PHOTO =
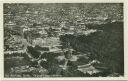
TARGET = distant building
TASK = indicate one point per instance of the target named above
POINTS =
(10, 24)
(52, 44)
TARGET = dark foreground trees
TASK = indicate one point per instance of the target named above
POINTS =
(105, 46)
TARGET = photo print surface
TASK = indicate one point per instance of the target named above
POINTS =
(63, 40)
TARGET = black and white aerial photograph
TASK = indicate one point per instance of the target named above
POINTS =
(63, 40)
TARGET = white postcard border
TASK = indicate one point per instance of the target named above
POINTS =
(67, 1)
